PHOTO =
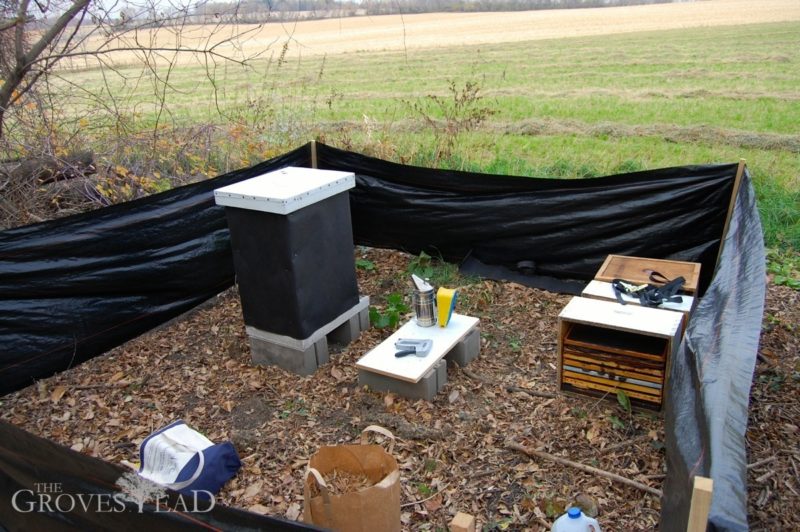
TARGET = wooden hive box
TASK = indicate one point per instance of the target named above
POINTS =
(605, 347)
(638, 270)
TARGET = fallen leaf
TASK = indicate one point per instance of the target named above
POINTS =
(116, 376)
(453, 397)
(588, 504)
(433, 504)
(57, 393)
(337, 374)
(253, 490)
(293, 511)
(259, 509)
(388, 399)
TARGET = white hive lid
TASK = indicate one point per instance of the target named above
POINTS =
(286, 190)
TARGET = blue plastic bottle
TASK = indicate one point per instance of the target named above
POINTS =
(575, 521)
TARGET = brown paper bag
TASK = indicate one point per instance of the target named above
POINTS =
(366, 510)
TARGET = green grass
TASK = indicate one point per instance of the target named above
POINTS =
(576, 107)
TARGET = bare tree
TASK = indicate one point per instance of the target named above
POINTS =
(37, 35)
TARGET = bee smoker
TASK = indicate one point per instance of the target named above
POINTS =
(424, 302)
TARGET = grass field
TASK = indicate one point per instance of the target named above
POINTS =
(554, 107)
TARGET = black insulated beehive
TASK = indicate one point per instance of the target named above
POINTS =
(293, 249)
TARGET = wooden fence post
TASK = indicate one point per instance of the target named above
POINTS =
(313, 154)
(735, 192)
(701, 504)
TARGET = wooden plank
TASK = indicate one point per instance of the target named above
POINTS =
(701, 504)
(591, 365)
(411, 368)
(608, 315)
(564, 328)
(571, 376)
(638, 269)
(579, 384)
(636, 404)
(612, 377)
(615, 361)
(600, 348)
(737, 182)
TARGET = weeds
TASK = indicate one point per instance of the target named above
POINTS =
(365, 264)
(435, 270)
(463, 110)
(784, 267)
(390, 316)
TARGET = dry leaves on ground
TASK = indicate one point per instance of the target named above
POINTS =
(451, 451)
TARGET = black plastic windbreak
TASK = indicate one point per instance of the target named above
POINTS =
(73, 288)
(709, 387)
(44, 486)
(566, 227)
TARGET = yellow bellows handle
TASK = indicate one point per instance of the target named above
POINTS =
(445, 303)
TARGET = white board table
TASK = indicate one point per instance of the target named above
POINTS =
(412, 368)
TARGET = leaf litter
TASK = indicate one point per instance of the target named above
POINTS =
(451, 451)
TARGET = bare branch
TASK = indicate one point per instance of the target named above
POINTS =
(19, 34)
(52, 33)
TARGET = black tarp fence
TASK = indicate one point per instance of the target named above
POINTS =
(47, 487)
(73, 288)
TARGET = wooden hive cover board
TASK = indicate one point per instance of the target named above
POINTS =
(638, 269)
(630, 318)
(412, 368)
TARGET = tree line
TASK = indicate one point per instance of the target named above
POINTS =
(274, 10)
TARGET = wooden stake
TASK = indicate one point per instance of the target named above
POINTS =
(735, 192)
(462, 523)
(313, 154)
(701, 504)
(511, 444)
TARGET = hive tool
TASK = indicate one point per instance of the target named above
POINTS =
(409, 346)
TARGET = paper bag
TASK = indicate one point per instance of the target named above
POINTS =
(367, 510)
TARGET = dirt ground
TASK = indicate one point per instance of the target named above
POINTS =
(435, 30)
(453, 452)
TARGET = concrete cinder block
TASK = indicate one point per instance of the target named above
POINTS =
(427, 387)
(467, 349)
(363, 319)
(302, 362)
(304, 356)
(321, 351)
(441, 374)
(347, 332)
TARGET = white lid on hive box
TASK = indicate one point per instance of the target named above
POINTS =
(630, 318)
(286, 190)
